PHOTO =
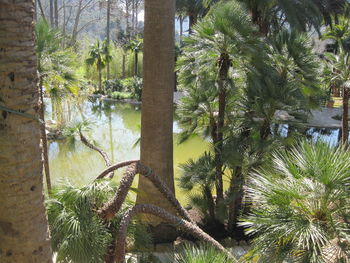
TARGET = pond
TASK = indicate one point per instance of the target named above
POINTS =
(115, 127)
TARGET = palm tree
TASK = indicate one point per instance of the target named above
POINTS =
(99, 56)
(300, 209)
(78, 233)
(193, 9)
(340, 77)
(273, 15)
(200, 174)
(24, 232)
(135, 46)
(46, 41)
(337, 68)
(211, 61)
(157, 101)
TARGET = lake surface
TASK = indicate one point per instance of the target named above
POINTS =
(115, 127)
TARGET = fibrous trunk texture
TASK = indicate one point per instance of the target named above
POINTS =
(157, 102)
(23, 224)
(166, 216)
(113, 206)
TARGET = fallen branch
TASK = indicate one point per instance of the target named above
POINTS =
(160, 212)
(100, 151)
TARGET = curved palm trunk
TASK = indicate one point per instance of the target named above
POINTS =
(159, 212)
(23, 224)
(157, 102)
(112, 207)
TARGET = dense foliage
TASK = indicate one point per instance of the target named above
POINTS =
(300, 208)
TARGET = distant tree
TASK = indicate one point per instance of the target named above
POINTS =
(135, 46)
(99, 56)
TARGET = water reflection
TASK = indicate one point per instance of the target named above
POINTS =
(115, 128)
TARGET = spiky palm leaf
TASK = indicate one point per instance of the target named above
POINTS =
(201, 254)
(301, 206)
(77, 232)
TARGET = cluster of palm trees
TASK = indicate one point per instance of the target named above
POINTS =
(237, 69)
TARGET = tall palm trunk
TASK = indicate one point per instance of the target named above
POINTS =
(99, 79)
(224, 65)
(43, 138)
(23, 224)
(136, 54)
(108, 33)
(123, 65)
(345, 119)
(157, 102)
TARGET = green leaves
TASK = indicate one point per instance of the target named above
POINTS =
(77, 233)
(300, 204)
(98, 55)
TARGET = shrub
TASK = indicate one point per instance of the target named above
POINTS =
(133, 85)
(121, 95)
(113, 85)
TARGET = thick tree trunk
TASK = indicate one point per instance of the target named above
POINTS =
(157, 102)
(24, 233)
(345, 119)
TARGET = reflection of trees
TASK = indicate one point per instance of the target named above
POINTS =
(130, 115)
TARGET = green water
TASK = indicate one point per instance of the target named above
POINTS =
(115, 127)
